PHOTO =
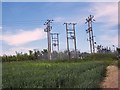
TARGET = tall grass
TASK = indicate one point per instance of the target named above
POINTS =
(53, 75)
(102, 57)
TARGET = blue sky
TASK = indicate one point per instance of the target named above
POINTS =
(23, 29)
(60, 0)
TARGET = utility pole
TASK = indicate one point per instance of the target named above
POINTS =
(55, 41)
(90, 20)
(48, 29)
(66, 24)
(70, 35)
(74, 38)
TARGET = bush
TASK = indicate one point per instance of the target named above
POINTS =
(103, 57)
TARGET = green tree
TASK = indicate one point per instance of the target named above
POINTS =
(44, 54)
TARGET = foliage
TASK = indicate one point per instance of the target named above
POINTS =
(118, 49)
(102, 57)
(30, 74)
(38, 55)
(33, 55)
(43, 55)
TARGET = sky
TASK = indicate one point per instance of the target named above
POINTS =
(22, 24)
(60, 0)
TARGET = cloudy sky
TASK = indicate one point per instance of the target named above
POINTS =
(22, 24)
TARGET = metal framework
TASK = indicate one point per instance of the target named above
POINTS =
(70, 35)
(90, 20)
(55, 41)
(48, 29)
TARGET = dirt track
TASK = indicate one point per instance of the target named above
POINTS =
(111, 80)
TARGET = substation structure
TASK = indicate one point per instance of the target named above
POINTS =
(48, 29)
(70, 35)
(55, 41)
(89, 21)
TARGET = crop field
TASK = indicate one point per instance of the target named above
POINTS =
(59, 45)
(31, 74)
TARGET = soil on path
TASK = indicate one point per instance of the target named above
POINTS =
(111, 79)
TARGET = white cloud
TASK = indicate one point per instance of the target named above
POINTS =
(76, 19)
(109, 40)
(23, 37)
(106, 13)
(0, 27)
(12, 51)
(59, 19)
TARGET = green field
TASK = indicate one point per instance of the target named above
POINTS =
(38, 74)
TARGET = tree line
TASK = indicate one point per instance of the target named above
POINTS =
(38, 55)
(43, 55)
